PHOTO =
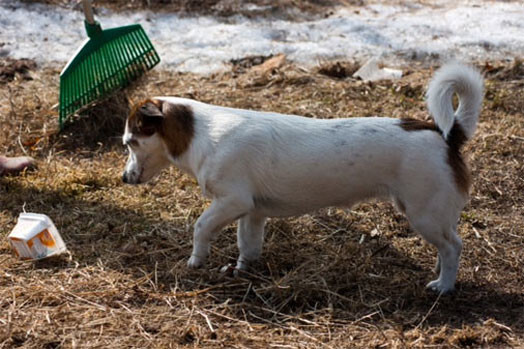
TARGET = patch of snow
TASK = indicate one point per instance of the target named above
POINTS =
(470, 30)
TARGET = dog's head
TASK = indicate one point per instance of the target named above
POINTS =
(155, 133)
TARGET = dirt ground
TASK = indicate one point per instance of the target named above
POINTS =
(288, 9)
(337, 278)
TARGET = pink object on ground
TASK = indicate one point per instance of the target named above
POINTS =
(11, 165)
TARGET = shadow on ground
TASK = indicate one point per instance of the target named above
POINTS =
(360, 279)
(96, 129)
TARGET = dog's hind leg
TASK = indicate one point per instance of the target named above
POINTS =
(449, 247)
(250, 237)
(222, 212)
(436, 269)
(447, 263)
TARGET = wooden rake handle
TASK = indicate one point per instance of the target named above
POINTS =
(88, 11)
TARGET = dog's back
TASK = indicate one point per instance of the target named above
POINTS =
(292, 164)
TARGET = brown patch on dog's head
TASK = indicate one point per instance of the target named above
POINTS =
(145, 118)
(455, 140)
(178, 127)
(173, 122)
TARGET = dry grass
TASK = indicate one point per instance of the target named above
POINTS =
(334, 278)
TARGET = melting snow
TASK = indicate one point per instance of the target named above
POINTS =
(470, 31)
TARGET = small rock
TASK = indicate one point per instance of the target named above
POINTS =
(372, 71)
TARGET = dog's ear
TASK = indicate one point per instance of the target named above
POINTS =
(150, 109)
(151, 117)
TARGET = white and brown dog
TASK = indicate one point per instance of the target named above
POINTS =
(255, 165)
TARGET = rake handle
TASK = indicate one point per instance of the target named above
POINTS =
(88, 11)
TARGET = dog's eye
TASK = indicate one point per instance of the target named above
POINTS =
(134, 143)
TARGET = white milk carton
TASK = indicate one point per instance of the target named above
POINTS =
(35, 237)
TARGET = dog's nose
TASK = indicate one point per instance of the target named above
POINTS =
(124, 178)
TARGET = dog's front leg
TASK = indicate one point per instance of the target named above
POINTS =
(250, 237)
(220, 213)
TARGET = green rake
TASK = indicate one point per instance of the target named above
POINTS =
(110, 59)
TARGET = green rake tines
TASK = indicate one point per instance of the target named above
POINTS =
(110, 59)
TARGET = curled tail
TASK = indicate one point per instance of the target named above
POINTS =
(468, 84)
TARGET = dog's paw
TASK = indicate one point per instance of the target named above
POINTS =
(242, 265)
(438, 287)
(195, 262)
